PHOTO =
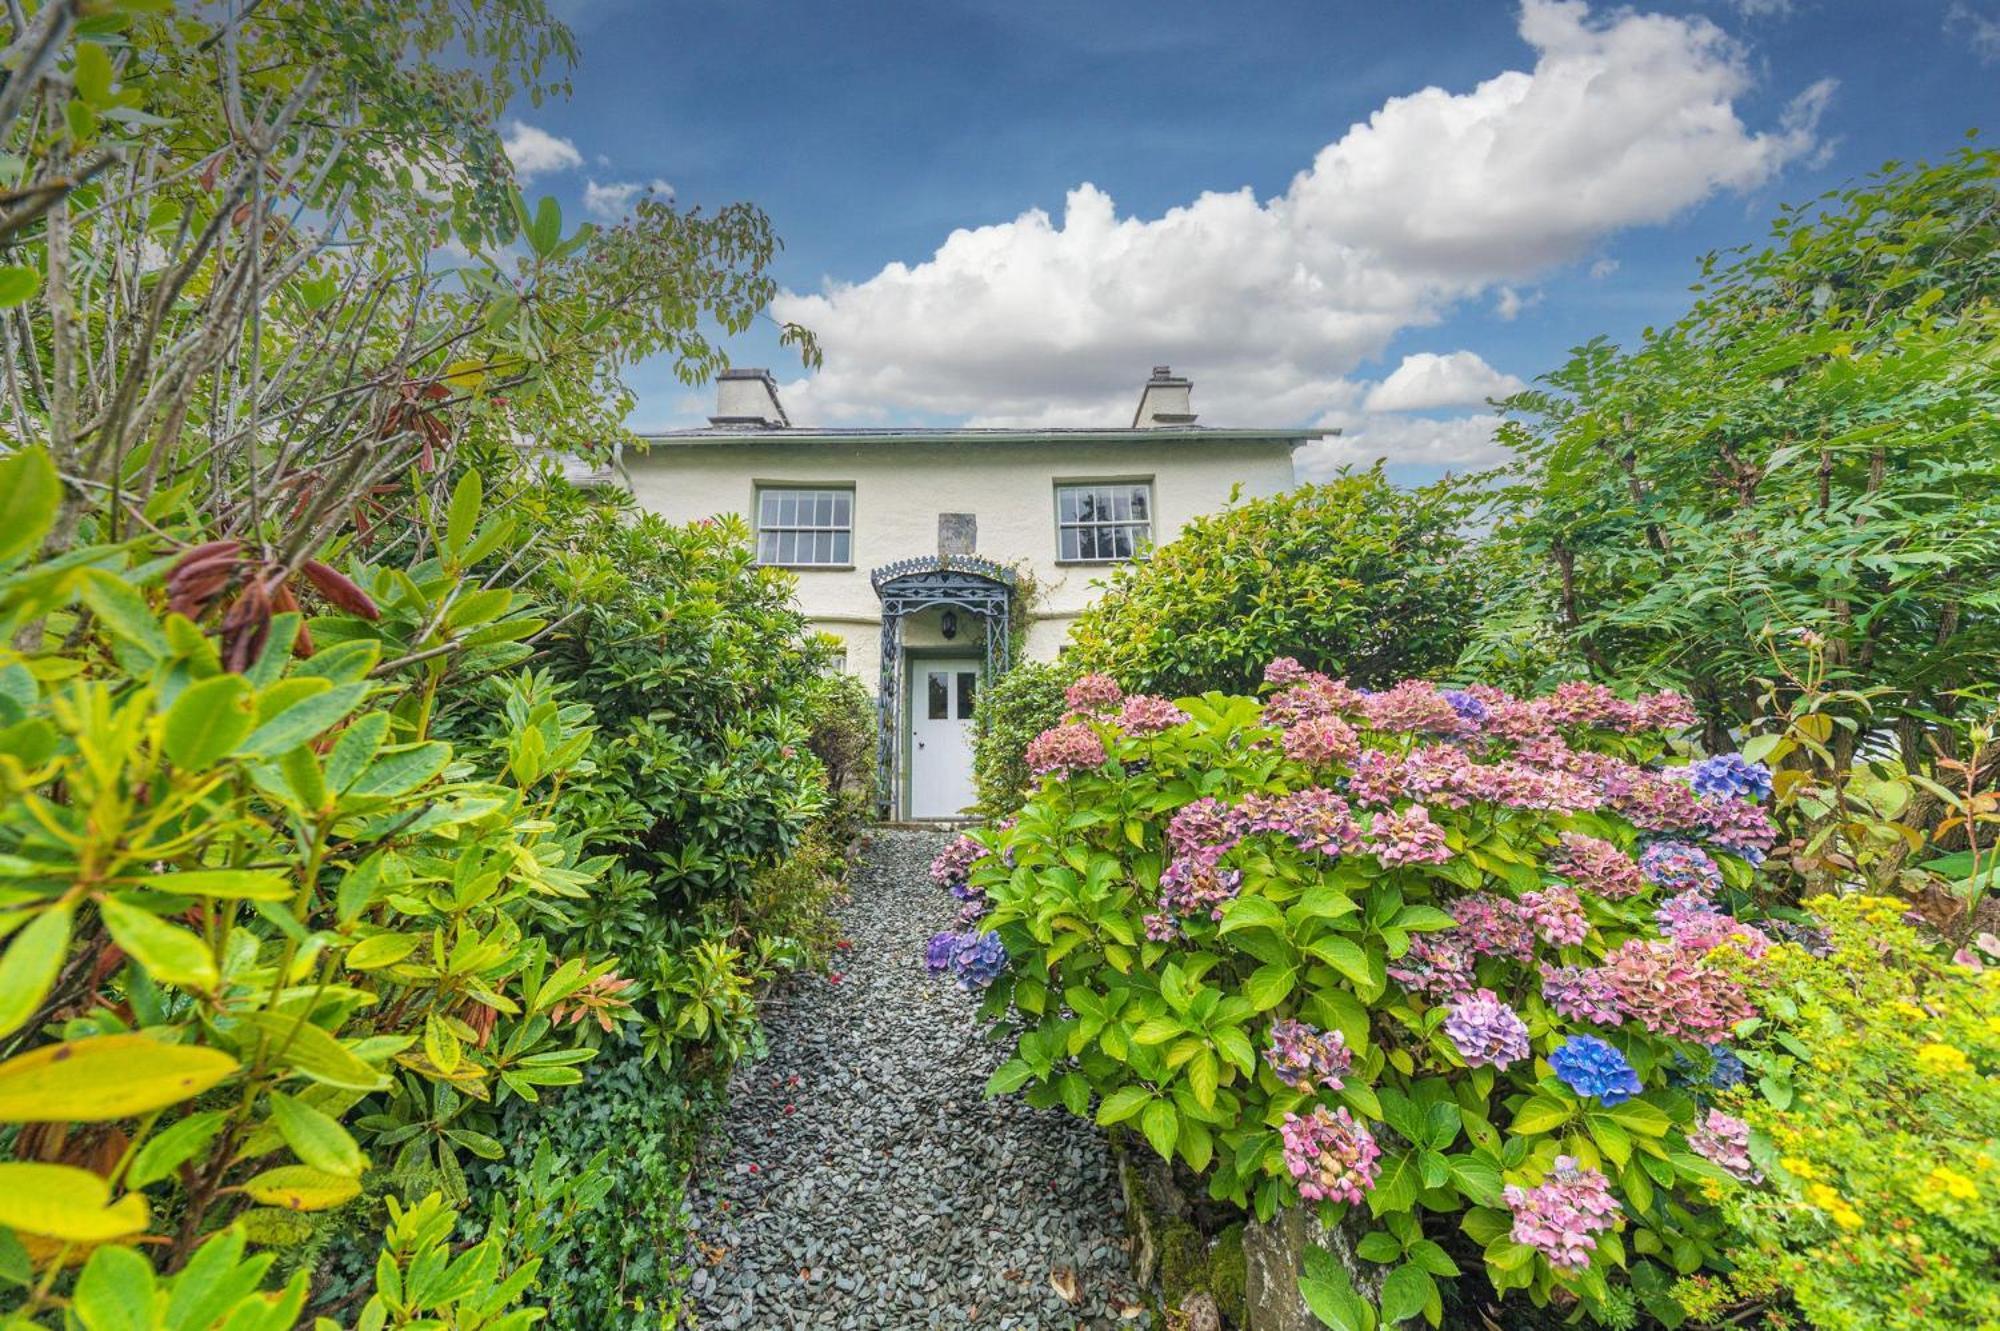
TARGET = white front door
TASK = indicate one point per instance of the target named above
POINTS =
(942, 695)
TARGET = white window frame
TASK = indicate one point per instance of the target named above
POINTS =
(805, 529)
(1141, 528)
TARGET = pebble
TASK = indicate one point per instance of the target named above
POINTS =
(860, 1179)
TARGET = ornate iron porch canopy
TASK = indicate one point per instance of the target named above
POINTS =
(960, 582)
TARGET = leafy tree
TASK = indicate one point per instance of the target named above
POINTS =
(1354, 576)
(1811, 450)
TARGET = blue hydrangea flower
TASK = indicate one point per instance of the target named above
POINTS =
(1727, 1070)
(1589, 1066)
(940, 950)
(1729, 776)
(980, 960)
(1468, 707)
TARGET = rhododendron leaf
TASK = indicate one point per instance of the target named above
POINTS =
(105, 1077)
(64, 1203)
(301, 1188)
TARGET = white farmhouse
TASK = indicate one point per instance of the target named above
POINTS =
(912, 546)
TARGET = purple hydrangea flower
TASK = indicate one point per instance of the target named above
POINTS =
(1582, 993)
(1589, 1066)
(1469, 708)
(953, 865)
(974, 959)
(1729, 776)
(940, 950)
(1679, 867)
(1485, 1030)
(1307, 1058)
(1438, 965)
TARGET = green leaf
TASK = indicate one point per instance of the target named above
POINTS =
(92, 75)
(314, 1052)
(1345, 956)
(1379, 1245)
(208, 721)
(167, 952)
(234, 884)
(1251, 913)
(30, 965)
(1644, 1119)
(1011, 1076)
(1202, 1074)
(303, 721)
(65, 1203)
(1162, 1127)
(469, 493)
(316, 1138)
(115, 1291)
(18, 284)
(1269, 985)
(1408, 1288)
(106, 1077)
(169, 1150)
(1542, 1113)
(1121, 1104)
(301, 1188)
(123, 611)
(30, 490)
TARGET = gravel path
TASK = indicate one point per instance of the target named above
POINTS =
(861, 1180)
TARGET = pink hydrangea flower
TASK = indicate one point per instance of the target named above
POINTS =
(1314, 818)
(1596, 866)
(1670, 992)
(1493, 926)
(1285, 670)
(1724, 1141)
(1205, 824)
(1318, 741)
(1557, 914)
(1333, 1157)
(1148, 714)
(1414, 705)
(1375, 778)
(1560, 1216)
(1485, 1030)
(1093, 694)
(1409, 837)
(1071, 747)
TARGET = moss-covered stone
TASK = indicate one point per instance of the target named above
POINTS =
(1226, 1275)
(1183, 1262)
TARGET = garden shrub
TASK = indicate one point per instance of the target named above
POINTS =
(1012, 710)
(1446, 962)
(1874, 1118)
(1354, 575)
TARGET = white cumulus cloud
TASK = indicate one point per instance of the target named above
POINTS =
(537, 152)
(612, 201)
(1426, 381)
(1461, 443)
(1272, 304)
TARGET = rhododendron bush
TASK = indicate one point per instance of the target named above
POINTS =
(1451, 962)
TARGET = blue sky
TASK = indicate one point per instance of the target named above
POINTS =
(1484, 185)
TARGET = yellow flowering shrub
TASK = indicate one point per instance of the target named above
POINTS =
(1874, 1102)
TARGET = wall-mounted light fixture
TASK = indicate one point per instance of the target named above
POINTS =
(949, 623)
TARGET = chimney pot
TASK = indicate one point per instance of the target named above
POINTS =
(1166, 400)
(748, 397)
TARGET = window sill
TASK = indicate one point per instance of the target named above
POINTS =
(811, 568)
(1095, 563)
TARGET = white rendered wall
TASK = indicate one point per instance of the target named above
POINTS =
(901, 486)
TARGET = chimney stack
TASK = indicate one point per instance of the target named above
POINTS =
(749, 398)
(1165, 401)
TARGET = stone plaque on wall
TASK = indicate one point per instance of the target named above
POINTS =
(958, 533)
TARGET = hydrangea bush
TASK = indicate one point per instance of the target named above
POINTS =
(1447, 960)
